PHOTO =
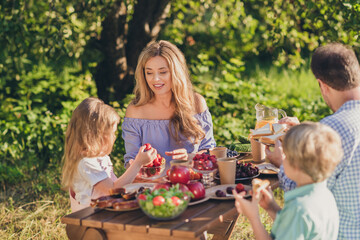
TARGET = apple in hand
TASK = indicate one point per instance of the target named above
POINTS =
(197, 188)
(179, 174)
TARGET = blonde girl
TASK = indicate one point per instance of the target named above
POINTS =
(166, 112)
(87, 170)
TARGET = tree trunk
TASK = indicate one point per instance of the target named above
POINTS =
(121, 43)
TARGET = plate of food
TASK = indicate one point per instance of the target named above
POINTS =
(121, 199)
(123, 206)
(139, 187)
(194, 202)
(224, 192)
(268, 169)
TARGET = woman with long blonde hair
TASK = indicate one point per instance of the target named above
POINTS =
(87, 171)
(166, 111)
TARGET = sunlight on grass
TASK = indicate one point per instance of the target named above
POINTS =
(34, 220)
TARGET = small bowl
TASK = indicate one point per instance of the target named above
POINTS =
(150, 173)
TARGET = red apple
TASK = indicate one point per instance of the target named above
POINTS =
(179, 174)
(197, 188)
(165, 186)
(183, 188)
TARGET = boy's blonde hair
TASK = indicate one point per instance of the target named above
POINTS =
(314, 148)
(87, 135)
(183, 120)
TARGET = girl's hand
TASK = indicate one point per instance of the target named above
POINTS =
(178, 154)
(249, 208)
(145, 157)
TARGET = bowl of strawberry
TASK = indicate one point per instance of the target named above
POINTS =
(204, 162)
(206, 165)
(154, 169)
(164, 204)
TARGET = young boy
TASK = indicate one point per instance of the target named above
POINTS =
(312, 151)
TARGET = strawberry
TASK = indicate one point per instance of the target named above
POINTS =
(239, 188)
(147, 146)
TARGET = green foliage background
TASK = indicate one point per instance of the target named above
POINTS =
(239, 53)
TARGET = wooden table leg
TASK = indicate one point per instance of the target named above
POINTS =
(75, 232)
(94, 234)
(225, 228)
(84, 233)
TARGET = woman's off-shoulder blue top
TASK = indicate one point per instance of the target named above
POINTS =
(136, 132)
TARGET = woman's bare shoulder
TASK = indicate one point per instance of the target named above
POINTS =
(133, 111)
(200, 103)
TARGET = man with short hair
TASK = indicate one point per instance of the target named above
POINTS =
(337, 71)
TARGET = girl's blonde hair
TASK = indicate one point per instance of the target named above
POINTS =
(314, 148)
(87, 135)
(183, 120)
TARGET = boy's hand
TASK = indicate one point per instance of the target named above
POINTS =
(266, 198)
(249, 208)
(276, 156)
(178, 154)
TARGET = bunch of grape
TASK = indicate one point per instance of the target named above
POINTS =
(231, 153)
(244, 170)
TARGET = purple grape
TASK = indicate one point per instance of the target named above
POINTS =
(220, 193)
(229, 190)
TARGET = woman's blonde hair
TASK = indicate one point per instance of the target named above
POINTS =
(87, 135)
(183, 120)
(314, 148)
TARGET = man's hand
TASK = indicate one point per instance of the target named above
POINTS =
(290, 121)
(276, 156)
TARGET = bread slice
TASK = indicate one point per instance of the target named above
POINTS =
(271, 138)
(259, 184)
(263, 131)
(278, 128)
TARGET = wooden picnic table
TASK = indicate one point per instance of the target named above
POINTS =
(216, 217)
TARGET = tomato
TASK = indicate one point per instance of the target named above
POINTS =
(147, 146)
(158, 200)
(142, 197)
(175, 200)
